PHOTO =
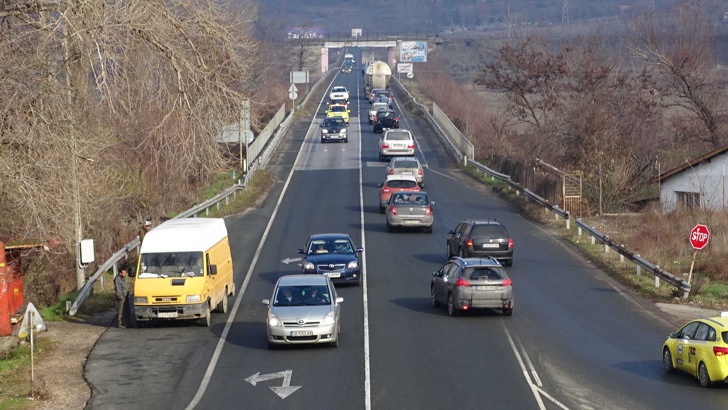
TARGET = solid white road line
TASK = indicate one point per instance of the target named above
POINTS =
(220, 343)
(367, 371)
(534, 388)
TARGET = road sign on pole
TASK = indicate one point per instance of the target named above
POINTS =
(293, 92)
(699, 237)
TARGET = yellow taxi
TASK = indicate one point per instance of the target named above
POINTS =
(338, 110)
(699, 348)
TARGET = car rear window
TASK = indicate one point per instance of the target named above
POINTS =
(490, 231)
(398, 136)
(406, 164)
(491, 273)
(410, 199)
(401, 183)
(385, 114)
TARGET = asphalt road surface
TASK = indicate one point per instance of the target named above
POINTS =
(576, 340)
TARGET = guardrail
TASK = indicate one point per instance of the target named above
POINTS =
(261, 160)
(655, 270)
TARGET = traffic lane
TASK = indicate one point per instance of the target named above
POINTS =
(335, 373)
(158, 366)
(415, 347)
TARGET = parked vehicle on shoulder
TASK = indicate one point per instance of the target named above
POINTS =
(472, 283)
(700, 349)
(481, 238)
(396, 143)
(333, 255)
(410, 210)
(407, 166)
(334, 129)
(303, 309)
(395, 183)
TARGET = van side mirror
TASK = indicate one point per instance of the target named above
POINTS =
(213, 269)
(131, 271)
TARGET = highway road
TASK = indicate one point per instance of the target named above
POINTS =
(577, 339)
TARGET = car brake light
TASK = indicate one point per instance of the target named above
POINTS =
(462, 282)
(394, 210)
(385, 146)
(507, 282)
(419, 172)
(385, 190)
(391, 172)
(396, 119)
(469, 243)
(411, 146)
(510, 243)
(428, 211)
(720, 351)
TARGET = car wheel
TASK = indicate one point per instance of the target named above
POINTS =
(232, 290)
(358, 282)
(222, 307)
(508, 312)
(509, 262)
(206, 320)
(346, 140)
(703, 375)
(433, 299)
(382, 210)
(390, 228)
(272, 346)
(335, 343)
(667, 361)
(452, 310)
(371, 122)
(323, 141)
(428, 229)
(447, 250)
(381, 158)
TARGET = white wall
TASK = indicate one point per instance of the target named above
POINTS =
(707, 178)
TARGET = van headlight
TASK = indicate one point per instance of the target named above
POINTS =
(328, 319)
(352, 265)
(193, 299)
(308, 266)
(273, 320)
(138, 300)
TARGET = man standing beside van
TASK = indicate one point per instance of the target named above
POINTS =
(122, 304)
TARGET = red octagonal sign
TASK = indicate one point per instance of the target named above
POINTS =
(699, 236)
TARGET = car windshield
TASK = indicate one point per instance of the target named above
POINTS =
(319, 246)
(338, 90)
(410, 199)
(171, 264)
(334, 122)
(401, 183)
(490, 231)
(397, 136)
(483, 272)
(302, 296)
(337, 108)
(405, 164)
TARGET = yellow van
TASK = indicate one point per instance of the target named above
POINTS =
(184, 271)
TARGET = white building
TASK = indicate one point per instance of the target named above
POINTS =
(700, 183)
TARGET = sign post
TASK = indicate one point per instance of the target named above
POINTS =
(699, 237)
(293, 94)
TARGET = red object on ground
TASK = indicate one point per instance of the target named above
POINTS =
(699, 236)
(5, 295)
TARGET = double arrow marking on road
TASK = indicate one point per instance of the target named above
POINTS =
(282, 391)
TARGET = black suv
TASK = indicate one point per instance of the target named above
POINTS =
(333, 129)
(385, 119)
(481, 238)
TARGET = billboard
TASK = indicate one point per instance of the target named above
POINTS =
(413, 52)
(294, 33)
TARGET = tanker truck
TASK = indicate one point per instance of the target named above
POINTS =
(377, 76)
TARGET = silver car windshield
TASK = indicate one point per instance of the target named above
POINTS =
(302, 296)
(172, 264)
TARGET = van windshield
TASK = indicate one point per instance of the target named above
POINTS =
(172, 264)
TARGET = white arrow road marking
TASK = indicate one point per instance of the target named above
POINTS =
(289, 260)
(282, 391)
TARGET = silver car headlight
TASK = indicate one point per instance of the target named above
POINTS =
(329, 319)
(193, 299)
(308, 266)
(352, 265)
(324, 131)
(274, 321)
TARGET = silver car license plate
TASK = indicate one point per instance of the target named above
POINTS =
(406, 173)
(167, 315)
(485, 287)
(490, 245)
(411, 222)
(333, 274)
(301, 332)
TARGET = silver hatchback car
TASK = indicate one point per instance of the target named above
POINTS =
(472, 283)
(303, 309)
(410, 210)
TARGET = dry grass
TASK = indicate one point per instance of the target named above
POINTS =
(15, 376)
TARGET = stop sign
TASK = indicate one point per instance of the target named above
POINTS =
(699, 236)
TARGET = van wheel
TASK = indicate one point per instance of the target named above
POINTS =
(222, 307)
(206, 320)
(232, 290)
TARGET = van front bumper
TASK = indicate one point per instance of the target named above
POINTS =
(170, 312)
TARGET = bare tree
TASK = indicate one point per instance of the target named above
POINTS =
(679, 45)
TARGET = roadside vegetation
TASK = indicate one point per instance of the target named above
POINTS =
(617, 113)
